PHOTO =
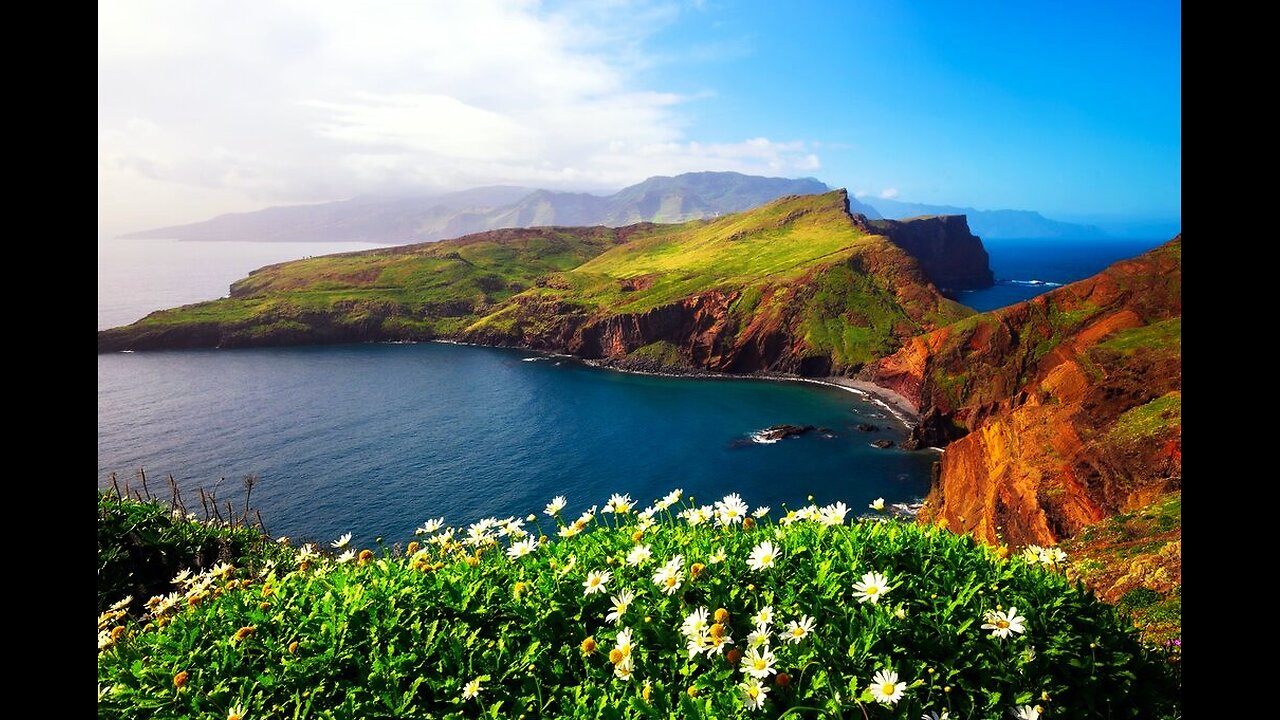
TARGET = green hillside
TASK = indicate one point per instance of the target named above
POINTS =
(798, 285)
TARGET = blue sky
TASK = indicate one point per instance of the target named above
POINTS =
(1073, 109)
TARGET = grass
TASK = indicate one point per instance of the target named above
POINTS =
(1158, 417)
(496, 621)
(799, 265)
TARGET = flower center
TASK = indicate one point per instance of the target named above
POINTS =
(1002, 624)
(888, 689)
(873, 590)
(761, 664)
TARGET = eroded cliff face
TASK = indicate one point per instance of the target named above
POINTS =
(1059, 411)
(951, 255)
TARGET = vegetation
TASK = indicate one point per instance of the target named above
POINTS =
(800, 266)
(676, 611)
(1135, 560)
(142, 544)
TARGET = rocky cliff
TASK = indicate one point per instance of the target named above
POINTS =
(1060, 411)
(949, 253)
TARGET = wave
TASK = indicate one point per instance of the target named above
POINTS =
(1032, 283)
(760, 436)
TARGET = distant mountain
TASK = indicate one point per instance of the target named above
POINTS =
(991, 223)
(402, 220)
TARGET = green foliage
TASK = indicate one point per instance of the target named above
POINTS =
(662, 352)
(1165, 335)
(141, 545)
(402, 634)
(1149, 420)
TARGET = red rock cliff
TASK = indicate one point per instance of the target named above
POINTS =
(1061, 410)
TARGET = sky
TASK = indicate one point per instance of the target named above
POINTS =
(1073, 109)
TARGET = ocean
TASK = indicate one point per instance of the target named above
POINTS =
(376, 439)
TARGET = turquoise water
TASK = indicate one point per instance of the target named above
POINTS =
(376, 439)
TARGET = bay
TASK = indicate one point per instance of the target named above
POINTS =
(376, 439)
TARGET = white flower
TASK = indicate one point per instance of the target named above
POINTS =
(341, 542)
(730, 510)
(569, 531)
(763, 555)
(555, 506)
(346, 556)
(183, 577)
(873, 586)
(620, 504)
(1027, 712)
(798, 630)
(638, 555)
(695, 624)
(758, 637)
(623, 669)
(306, 552)
(753, 693)
(671, 576)
(512, 527)
(718, 556)
(596, 581)
(877, 505)
(764, 616)
(758, 662)
(697, 516)
(669, 499)
(622, 643)
(520, 548)
(471, 689)
(1031, 554)
(621, 602)
(760, 511)
(1001, 624)
(121, 604)
(833, 514)
(885, 687)
(934, 715)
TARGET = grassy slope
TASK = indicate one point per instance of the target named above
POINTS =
(400, 635)
(800, 269)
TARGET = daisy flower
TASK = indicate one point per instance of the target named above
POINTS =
(621, 602)
(758, 662)
(730, 510)
(520, 548)
(885, 687)
(1001, 624)
(753, 693)
(1027, 712)
(764, 616)
(623, 669)
(760, 512)
(695, 624)
(877, 505)
(763, 555)
(718, 556)
(596, 581)
(638, 555)
(341, 542)
(620, 504)
(798, 630)
(554, 507)
(671, 576)
(471, 689)
(759, 637)
(935, 715)
(237, 712)
(346, 557)
(872, 587)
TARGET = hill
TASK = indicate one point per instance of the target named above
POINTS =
(799, 285)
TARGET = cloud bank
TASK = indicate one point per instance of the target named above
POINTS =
(209, 107)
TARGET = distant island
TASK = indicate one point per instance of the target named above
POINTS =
(397, 220)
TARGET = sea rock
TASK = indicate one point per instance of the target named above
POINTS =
(867, 427)
(882, 444)
(780, 432)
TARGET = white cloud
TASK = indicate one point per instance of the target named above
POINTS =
(889, 193)
(211, 107)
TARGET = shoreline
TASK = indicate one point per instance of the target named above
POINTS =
(893, 402)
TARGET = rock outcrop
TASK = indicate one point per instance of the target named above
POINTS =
(952, 256)
(1059, 411)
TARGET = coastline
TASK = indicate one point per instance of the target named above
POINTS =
(893, 402)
